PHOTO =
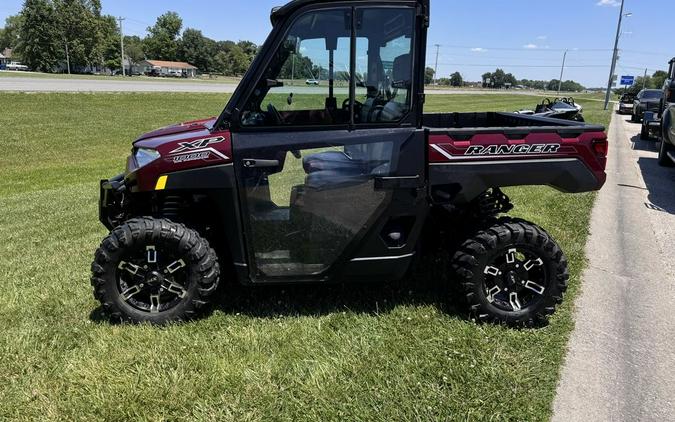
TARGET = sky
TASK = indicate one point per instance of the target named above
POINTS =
(524, 37)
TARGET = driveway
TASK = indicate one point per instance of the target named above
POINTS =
(621, 360)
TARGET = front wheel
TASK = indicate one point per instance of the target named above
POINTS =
(644, 133)
(512, 273)
(154, 271)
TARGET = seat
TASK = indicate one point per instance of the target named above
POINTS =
(396, 107)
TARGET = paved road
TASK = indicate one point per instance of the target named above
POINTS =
(28, 84)
(621, 360)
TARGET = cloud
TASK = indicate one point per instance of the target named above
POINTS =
(542, 37)
(479, 50)
(530, 46)
(612, 3)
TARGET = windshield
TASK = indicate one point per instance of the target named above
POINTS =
(652, 95)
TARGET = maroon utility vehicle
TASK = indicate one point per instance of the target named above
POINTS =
(348, 180)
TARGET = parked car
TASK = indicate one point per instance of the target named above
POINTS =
(17, 66)
(646, 100)
(626, 103)
(358, 190)
(311, 82)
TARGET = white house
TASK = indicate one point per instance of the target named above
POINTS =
(166, 68)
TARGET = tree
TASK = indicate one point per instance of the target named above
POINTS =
(456, 79)
(566, 86)
(38, 43)
(133, 49)
(659, 78)
(197, 49)
(429, 74)
(162, 43)
(249, 48)
(9, 37)
(83, 30)
(109, 47)
(298, 67)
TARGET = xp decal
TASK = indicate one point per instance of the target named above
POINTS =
(523, 149)
(198, 144)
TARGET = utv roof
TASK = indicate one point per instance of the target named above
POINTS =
(278, 13)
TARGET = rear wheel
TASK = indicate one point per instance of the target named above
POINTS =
(664, 149)
(154, 271)
(512, 273)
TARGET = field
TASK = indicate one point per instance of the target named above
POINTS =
(378, 352)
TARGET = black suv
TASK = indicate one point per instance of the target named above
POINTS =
(646, 100)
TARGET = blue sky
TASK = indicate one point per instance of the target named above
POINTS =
(524, 37)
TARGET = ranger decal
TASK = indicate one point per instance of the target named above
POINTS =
(522, 149)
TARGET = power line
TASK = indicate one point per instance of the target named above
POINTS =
(538, 49)
(524, 65)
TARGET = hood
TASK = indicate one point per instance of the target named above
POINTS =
(191, 129)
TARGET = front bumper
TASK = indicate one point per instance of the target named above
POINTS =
(112, 202)
(625, 108)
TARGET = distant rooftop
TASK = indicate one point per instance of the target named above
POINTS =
(173, 65)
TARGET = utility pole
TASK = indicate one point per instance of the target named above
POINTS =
(614, 56)
(644, 80)
(293, 70)
(438, 48)
(67, 57)
(120, 19)
(562, 71)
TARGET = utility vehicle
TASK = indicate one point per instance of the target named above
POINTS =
(331, 184)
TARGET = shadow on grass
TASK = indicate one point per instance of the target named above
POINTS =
(424, 288)
(319, 300)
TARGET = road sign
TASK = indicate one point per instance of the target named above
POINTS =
(627, 80)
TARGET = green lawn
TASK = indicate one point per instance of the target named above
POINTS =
(392, 352)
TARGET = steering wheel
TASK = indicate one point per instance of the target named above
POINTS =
(274, 113)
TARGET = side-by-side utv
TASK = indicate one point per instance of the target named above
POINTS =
(347, 180)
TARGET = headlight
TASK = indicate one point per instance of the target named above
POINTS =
(145, 156)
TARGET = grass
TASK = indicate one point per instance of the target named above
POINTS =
(392, 352)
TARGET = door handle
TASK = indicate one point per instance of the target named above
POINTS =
(253, 163)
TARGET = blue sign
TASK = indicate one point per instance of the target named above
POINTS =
(627, 80)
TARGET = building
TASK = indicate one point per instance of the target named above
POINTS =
(5, 57)
(165, 68)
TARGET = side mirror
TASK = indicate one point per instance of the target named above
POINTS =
(273, 83)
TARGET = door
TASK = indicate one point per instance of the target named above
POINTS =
(311, 159)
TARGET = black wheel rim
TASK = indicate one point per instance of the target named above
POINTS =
(515, 279)
(152, 279)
